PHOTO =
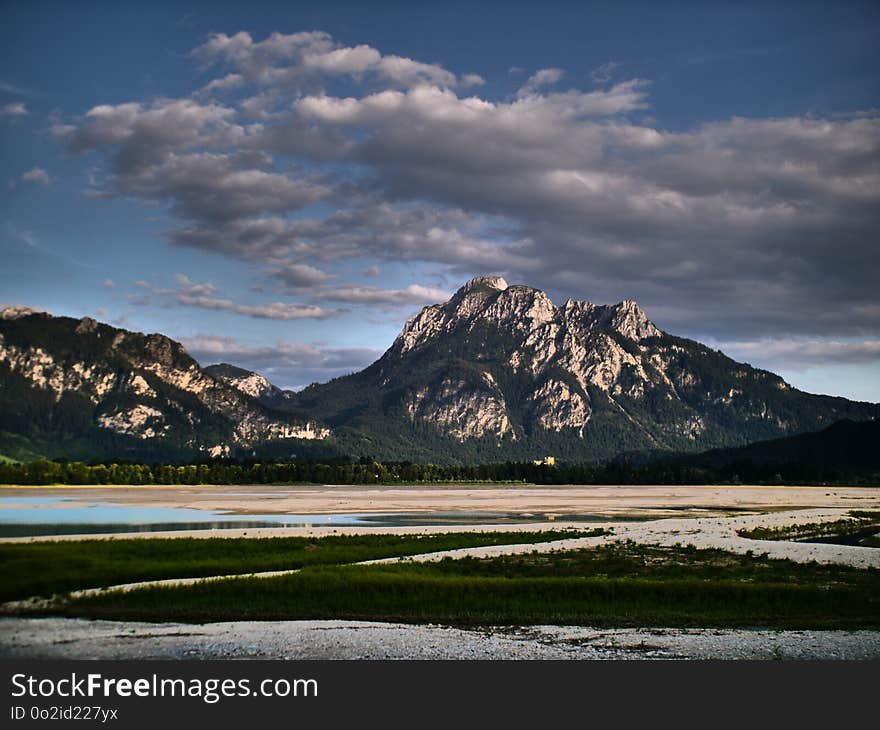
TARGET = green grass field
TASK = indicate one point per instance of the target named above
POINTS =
(48, 568)
(614, 585)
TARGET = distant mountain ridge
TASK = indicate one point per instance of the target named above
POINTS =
(844, 447)
(496, 373)
(82, 388)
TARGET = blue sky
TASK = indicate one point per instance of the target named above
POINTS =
(281, 185)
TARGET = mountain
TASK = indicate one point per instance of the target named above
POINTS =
(78, 388)
(496, 373)
(499, 372)
(249, 383)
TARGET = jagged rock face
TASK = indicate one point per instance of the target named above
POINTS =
(503, 364)
(249, 383)
(579, 339)
(82, 378)
(17, 312)
(557, 406)
(462, 409)
(142, 421)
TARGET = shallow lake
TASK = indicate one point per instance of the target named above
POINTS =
(32, 516)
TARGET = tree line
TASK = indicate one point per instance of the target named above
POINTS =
(365, 471)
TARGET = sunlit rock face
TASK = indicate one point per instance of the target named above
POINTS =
(502, 365)
(62, 378)
(562, 350)
(249, 383)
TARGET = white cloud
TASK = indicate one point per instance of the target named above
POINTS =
(299, 59)
(147, 132)
(230, 81)
(14, 109)
(189, 293)
(355, 60)
(472, 80)
(407, 72)
(37, 175)
(738, 227)
(449, 236)
(300, 275)
(191, 154)
(189, 287)
(286, 364)
(803, 354)
(241, 49)
(540, 79)
(274, 310)
(414, 294)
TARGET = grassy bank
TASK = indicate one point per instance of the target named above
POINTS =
(856, 521)
(615, 585)
(48, 568)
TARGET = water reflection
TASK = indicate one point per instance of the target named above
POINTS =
(33, 516)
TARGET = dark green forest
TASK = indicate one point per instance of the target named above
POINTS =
(845, 452)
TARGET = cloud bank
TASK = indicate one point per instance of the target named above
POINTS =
(286, 364)
(301, 155)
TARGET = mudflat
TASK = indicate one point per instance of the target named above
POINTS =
(552, 501)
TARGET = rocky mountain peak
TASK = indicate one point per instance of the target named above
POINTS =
(166, 351)
(523, 311)
(523, 307)
(630, 320)
(251, 383)
(86, 325)
(473, 296)
(18, 311)
(484, 282)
